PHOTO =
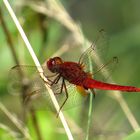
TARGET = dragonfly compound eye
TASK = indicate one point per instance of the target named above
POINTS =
(57, 60)
(53, 64)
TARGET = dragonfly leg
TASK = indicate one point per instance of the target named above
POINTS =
(61, 89)
(44, 79)
(48, 77)
(65, 88)
(55, 81)
(27, 98)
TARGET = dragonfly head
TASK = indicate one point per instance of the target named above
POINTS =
(53, 64)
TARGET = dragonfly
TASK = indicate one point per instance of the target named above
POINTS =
(74, 73)
(77, 74)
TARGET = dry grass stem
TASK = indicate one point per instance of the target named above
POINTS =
(40, 70)
(9, 131)
(15, 121)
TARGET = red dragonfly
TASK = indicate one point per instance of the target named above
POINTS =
(76, 74)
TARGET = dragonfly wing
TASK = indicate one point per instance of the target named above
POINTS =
(31, 87)
(27, 84)
(40, 99)
(105, 71)
(74, 96)
(96, 60)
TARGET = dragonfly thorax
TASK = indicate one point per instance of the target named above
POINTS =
(54, 63)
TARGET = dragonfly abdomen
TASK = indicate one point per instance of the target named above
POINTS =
(91, 83)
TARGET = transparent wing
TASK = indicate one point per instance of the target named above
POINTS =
(96, 60)
(99, 47)
(23, 80)
(41, 100)
(105, 70)
(31, 87)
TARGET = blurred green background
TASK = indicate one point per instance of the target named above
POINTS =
(120, 20)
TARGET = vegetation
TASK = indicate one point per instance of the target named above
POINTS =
(66, 29)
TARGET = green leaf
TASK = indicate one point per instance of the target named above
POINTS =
(133, 136)
(6, 135)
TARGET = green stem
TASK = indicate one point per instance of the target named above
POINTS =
(90, 105)
(89, 116)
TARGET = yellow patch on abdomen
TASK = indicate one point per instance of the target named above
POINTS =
(81, 90)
